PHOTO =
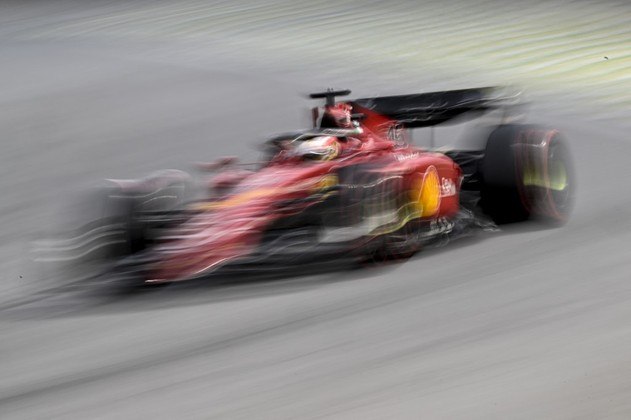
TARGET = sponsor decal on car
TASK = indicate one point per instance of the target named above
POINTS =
(395, 133)
(447, 187)
(405, 156)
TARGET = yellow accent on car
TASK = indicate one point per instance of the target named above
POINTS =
(426, 193)
(237, 199)
(327, 181)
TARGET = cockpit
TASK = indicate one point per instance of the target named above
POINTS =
(315, 145)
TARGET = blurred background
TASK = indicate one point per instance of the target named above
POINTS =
(525, 323)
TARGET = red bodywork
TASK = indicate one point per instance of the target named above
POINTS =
(226, 229)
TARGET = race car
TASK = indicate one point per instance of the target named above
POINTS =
(352, 185)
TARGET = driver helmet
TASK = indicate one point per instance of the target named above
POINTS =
(337, 116)
(318, 148)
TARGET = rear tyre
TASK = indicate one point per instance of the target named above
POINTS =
(526, 174)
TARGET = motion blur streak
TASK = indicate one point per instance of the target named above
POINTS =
(520, 323)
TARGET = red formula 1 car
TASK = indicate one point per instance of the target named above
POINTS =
(351, 186)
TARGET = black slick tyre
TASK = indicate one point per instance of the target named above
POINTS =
(526, 174)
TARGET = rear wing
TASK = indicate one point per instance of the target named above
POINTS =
(433, 108)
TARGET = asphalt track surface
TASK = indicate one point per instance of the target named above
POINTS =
(524, 323)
